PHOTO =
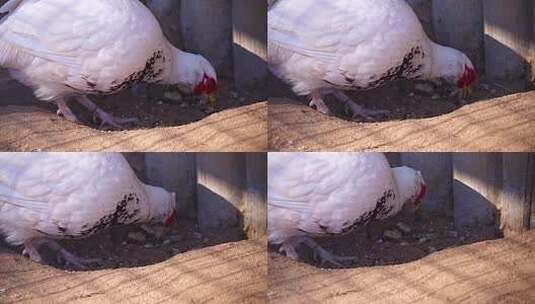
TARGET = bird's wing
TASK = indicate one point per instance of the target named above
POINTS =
(12, 197)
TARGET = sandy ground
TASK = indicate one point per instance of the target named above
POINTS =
(499, 271)
(501, 124)
(385, 243)
(228, 273)
(167, 121)
(31, 128)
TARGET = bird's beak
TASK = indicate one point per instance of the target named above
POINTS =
(211, 98)
(467, 91)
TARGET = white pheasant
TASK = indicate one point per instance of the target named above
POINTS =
(326, 46)
(47, 196)
(66, 49)
(324, 194)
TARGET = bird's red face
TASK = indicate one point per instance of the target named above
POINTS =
(420, 196)
(170, 219)
(466, 80)
(207, 87)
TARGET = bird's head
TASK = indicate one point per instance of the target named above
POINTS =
(455, 67)
(162, 205)
(411, 185)
(205, 85)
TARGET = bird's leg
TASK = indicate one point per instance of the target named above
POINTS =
(356, 109)
(69, 259)
(320, 254)
(31, 249)
(317, 102)
(65, 111)
(105, 118)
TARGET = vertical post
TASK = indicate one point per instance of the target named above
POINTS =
(207, 29)
(255, 201)
(394, 158)
(136, 160)
(476, 188)
(436, 169)
(508, 28)
(220, 184)
(459, 24)
(250, 42)
(175, 172)
(518, 192)
(424, 11)
(168, 13)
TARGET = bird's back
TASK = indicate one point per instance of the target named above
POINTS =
(348, 44)
(322, 193)
(83, 46)
(64, 195)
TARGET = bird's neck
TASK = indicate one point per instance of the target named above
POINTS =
(442, 59)
(180, 67)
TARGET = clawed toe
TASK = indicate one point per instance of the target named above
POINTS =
(108, 120)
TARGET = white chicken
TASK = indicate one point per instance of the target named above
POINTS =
(70, 49)
(47, 196)
(325, 194)
(327, 46)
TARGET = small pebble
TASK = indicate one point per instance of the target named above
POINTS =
(453, 234)
(137, 236)
(234, 94)
(159, 102)
(404, 227)
(411, 94)
(3, 290)
(431, 249)
(392, 235)
(422, 240)
(493, 92)
(167, 242)
(425, 88)
(196, 235)
(435, 97)
(485, 86)
(148, 246)
(404, 243)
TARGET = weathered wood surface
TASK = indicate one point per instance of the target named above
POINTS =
(228, 273)
(220, 187)
(255, 196)
(30, 128)
(501, 271)
(518, 192)
(477, 187)
(502, 124)
(175, 172)
(459, 24)
(508, 33)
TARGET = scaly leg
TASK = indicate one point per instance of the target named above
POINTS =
(105, 118)
(69, 259)
(65, 111)
(356, 109)
(321, 255)
(317, 102)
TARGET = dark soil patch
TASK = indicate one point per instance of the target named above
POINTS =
(118, 250)
(428, 233)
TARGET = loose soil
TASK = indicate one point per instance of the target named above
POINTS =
(237, 123)
(493, 119)
(496, 271)
(371, 247)
(118, 250)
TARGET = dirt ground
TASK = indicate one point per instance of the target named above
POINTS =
(183, 265)
(168, 121)
(496, 271)
(384, 243)
(494, 118)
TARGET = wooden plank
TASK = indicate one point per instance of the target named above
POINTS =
(459, 24)
(508, 28)
(476, 188)
(207, 29)
(175, 172)
(250, 42)
(517, 196)
(168, 13)
(220, 187)
(437, 171)
(255, 202)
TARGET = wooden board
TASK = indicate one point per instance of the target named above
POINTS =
(502, 124)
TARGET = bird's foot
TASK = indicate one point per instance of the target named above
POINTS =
(70, 260)
(65, 111)
(289, 251)
(322, 256)
(359, 111)
(31, 252)
(319, 105)
(107, 119)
